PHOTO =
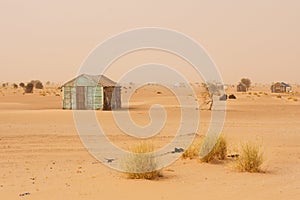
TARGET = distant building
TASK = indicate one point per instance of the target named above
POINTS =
(91, 92)
(280, 87)
(241, 87)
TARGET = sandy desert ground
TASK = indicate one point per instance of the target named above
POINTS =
(42, 155)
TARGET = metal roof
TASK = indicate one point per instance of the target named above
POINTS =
(97, 79)
(242, 84)
(285, 84)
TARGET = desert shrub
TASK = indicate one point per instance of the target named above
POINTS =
(246, 81)
(141, 163)
(257, 94)
(15, 86)
(232, 96)
(193, 151)
(39, 85)
(295, 99)
(43, 93)
(250, 159)
(279, 96)
(22, 85)
(29, 88)
(218, 152)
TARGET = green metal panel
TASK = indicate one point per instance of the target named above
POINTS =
(89, 100)
(93, 100)
(98, 98)
(73, 97)
(67, 100)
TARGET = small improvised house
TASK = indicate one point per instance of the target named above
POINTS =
(91, 92)
(241, 87)
(280, 87)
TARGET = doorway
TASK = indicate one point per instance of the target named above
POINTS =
(80, 98)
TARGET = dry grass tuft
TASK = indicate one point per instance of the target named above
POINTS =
(218, 152)
(193, 151)
(43, 93)
(250, 159)
(141, 163)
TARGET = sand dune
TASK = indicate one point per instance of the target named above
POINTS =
(42, 156)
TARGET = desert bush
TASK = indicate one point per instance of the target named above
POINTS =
(29, 88)
(15, 86)
(232, 96)
(141, 163)
(218, 152)
(22, 85)
(257, 94)
(279, 96)
(38, 85)
(43, 93)
(250, 159)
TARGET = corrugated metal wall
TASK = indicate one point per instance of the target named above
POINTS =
(93, 97)
(67, 97)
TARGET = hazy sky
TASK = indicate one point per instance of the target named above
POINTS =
(48, 40)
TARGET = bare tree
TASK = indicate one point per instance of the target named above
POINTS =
(211, 89)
